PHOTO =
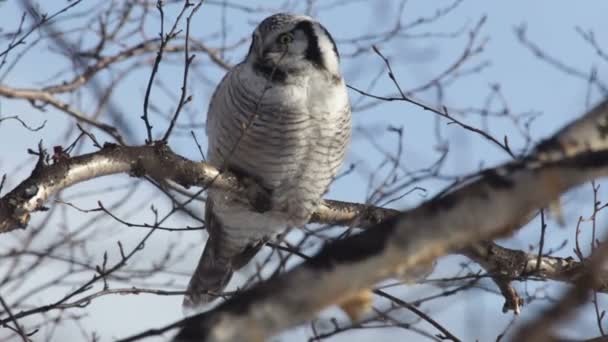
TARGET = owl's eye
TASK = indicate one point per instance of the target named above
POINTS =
(285, 38)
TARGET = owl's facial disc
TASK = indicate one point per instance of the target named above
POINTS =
(294, 45)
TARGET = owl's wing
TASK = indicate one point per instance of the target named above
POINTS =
(217, 108)
(221, 255)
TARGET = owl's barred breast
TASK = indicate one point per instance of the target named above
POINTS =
(291, 138)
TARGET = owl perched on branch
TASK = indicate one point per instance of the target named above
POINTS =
(281, 117)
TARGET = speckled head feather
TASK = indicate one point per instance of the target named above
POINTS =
(277, 21)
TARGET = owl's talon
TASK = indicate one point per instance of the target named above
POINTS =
(258, 196)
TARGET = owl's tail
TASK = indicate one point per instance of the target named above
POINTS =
(210, 277)
(219, 260)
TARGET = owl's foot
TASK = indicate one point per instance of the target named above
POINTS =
(258, 196)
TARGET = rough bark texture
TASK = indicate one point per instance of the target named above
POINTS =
(491, 205)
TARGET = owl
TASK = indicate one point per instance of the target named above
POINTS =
(282, 118)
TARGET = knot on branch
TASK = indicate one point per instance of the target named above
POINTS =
(511, 264)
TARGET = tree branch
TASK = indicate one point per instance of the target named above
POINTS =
(539, 329)
(495, 203)
(159, 162)
(47, 98)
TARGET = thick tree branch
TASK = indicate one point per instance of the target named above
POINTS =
(159, 162)
(492, 205)
(515, 264)
(485, 209)
(505, 265)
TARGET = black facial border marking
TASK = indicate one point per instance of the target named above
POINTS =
(269, 72)
(313, 52)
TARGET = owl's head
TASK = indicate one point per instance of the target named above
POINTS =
(286, 43)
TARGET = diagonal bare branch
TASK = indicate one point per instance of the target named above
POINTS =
(493, 204)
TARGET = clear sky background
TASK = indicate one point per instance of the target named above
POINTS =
(528, 84)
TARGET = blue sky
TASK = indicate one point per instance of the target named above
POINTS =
(528, 84)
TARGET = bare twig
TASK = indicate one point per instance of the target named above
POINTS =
(187, 62)
(44, 19)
